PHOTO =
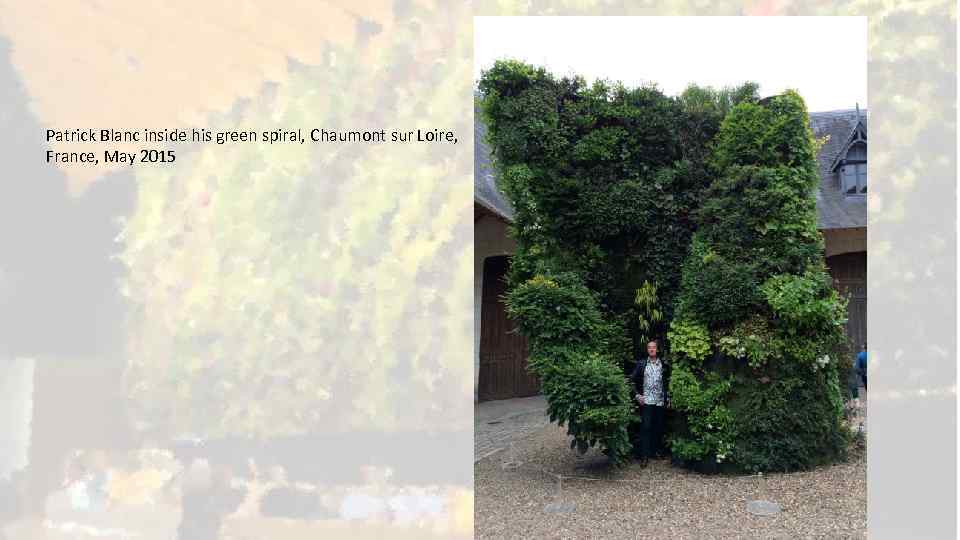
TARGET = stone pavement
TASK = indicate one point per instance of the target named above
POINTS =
(498, 423)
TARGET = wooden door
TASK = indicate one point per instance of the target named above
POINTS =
(503, 351)
(849, 272)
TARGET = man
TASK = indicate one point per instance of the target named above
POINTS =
(862, 365)
(650, 378)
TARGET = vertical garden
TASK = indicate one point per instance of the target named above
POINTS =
(691, 218)
(277, 291)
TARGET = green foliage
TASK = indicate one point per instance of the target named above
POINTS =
(752, 340)
(763, 215)
(792, 423)
(805, 301)
(278, 289)
(754, 278)
(555, 310)
(649, 317)
(710, 423)
(708, 195)
(716, 289)
(704, 109)
(773, 133)
(574, 353)
(598, 176)
(605, 181)
(587, 393)
(714, 104)
(689, 339)
(760, 208)
(520, 107)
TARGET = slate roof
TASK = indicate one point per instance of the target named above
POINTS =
(485, 190)
(835, 210)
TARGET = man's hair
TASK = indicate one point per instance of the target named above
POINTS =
(654, 342)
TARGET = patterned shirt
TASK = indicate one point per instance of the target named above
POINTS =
(653, 383)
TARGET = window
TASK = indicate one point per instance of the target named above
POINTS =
(853, 171)
(854, 176)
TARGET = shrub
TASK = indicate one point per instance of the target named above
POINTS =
(588, 393)
(752, 340)
(555, 310)
(573, 352)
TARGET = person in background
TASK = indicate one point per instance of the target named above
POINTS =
(853, 383)
(862, 365)
(651, 378)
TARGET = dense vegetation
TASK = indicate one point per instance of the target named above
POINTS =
(605, 180)
(758, 327)
(278, 290)
(691, 218)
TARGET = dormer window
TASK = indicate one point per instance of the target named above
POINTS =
(853, 170)
(851, 164)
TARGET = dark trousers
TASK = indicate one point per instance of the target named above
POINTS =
(651, 431)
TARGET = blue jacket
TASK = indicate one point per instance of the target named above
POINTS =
(862, 362)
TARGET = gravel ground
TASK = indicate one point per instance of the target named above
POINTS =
(660, 501)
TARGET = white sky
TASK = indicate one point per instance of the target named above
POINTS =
(824, 58)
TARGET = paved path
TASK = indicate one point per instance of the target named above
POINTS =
(498, 423)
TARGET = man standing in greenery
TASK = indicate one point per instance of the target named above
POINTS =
(650, 379)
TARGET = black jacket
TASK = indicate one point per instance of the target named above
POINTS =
(637, 378)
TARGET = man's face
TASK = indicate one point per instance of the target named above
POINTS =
(652, 349)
